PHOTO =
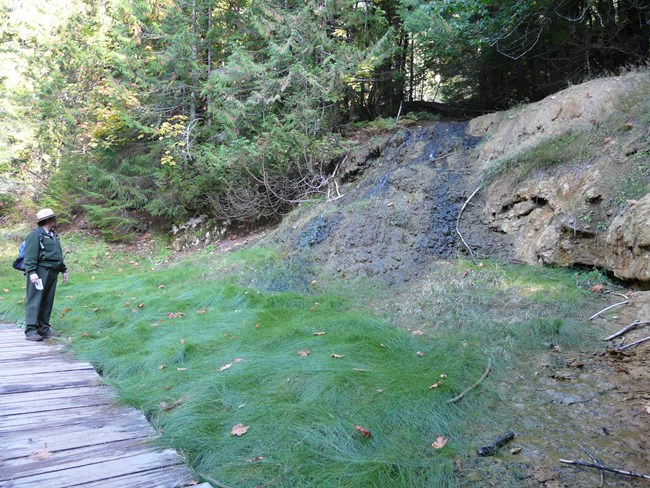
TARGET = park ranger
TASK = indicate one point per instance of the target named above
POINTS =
(43, 263)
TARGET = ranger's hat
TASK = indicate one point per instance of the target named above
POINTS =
(44, 214)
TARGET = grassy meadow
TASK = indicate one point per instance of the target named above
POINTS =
(336, 384)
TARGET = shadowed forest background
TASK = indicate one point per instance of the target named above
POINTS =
(133, 111)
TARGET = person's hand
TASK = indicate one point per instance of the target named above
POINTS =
(33, 278)
(65, 277)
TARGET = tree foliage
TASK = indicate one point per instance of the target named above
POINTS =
(164, 108)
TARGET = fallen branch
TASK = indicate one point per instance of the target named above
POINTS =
(596, 461)
(608, 308)
(462, 393)
(634, 343)
(499, 442)
(626, 329)
(458, 220)
(605, 468)
(624, 297)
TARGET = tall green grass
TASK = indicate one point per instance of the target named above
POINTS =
(199, 350)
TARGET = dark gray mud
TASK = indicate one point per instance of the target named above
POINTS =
(398, 214)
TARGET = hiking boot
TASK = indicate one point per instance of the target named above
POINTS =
(50, 333)
(34, 337)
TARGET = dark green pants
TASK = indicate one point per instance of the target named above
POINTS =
(40, 302)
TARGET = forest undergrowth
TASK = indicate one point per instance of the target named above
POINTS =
(341, 383)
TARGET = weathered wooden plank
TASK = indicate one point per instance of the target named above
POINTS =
(49, 381)
(38, 366)
(33, 397)
(58, 438)
(17, 354)
(70, 458)
(149, 479)
(31, 403)
(93, 473)
(81, 415)
(30, 349)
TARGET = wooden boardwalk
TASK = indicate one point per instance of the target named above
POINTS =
(60, 427)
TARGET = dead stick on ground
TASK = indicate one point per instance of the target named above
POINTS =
(605, 468)
(634, 343)
(602, 475)
(458, 220)
(626, 329)
(462, 394)
(607, 308)
(624, 297)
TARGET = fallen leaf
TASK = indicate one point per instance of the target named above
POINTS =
(95, 310)
(465, 273)
(166, 407)
(337, 356)
(161, 286)
(202, 311)
(382, 345)
(182, 341)
(515, 450)
(181, 369)
(155, 324)
(41, 454)
(167, 387)
(418, 332)
(304, 353)
(225, 367)
(557, 348)
(239, 430)
(440, 442)
(6, 290)
(237, 360)
(162, 366)
(597, 288)
(360, 370)
(319, 333)
(65, 311)
(390, 204)
(140, 305)
(435, 385)
(175, 315)
(419, 353)
(364, 432)
(314, 283)
(256, 458)
(379, 390)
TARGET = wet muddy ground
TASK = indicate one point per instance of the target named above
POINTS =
(585, 406)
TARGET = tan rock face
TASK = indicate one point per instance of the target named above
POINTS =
(575, 213)
(628, 239)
